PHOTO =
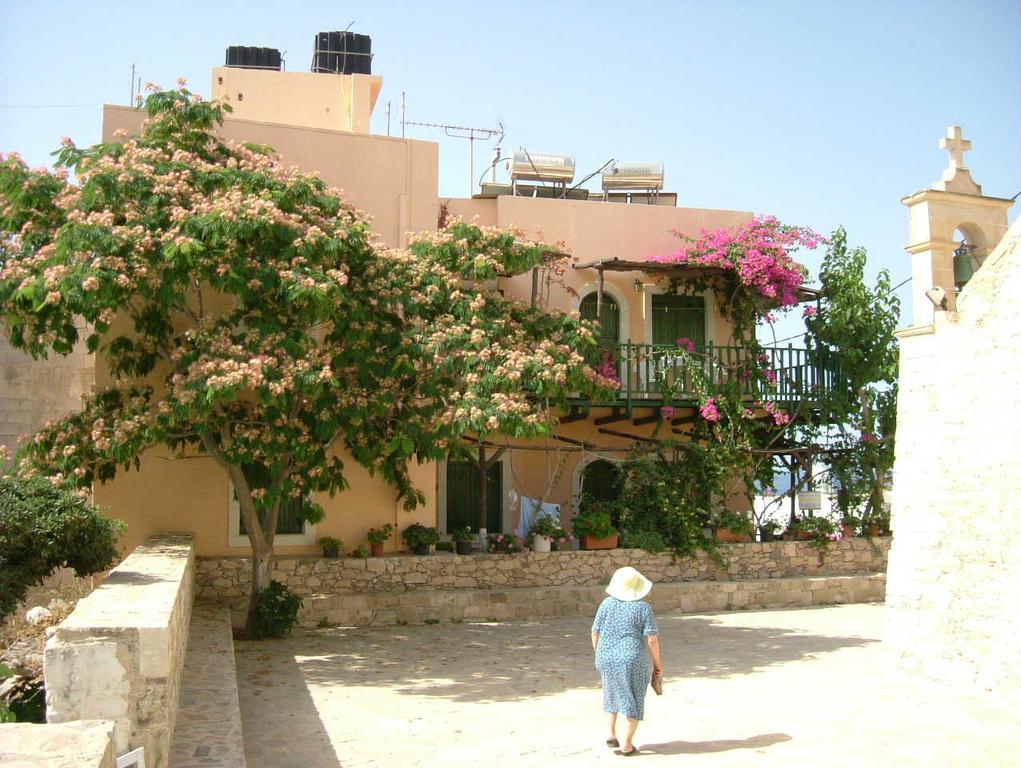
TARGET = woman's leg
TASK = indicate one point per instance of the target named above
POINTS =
(632, 726)
(613, 725)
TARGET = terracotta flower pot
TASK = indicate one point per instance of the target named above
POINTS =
(376, 550)
(727, 535)
(846, 531)
(607, 542)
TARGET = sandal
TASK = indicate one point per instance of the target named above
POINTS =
(612, 743)
(634, 751)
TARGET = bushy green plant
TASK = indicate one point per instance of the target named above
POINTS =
(669, 499)
(733, 521)
(820, 530)
(418, 535)
(42, 528)
(360, 552)
(462, 534)
(594, 520)
(276, 611)
(330, 546)
(650, 541)
(379, 535)
(444, 546)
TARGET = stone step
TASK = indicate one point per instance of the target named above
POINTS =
(208, 730)
(376, 609)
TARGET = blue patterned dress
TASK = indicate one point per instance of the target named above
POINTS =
(621, 656)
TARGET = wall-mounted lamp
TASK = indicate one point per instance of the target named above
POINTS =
(638, 286)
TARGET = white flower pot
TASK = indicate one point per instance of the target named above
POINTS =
(541, 543)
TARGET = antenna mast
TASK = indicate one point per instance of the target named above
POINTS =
(459, 132)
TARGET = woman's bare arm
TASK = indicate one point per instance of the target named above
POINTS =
(595, 640)
(653, 643)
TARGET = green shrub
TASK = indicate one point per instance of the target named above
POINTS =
(650, 541)
(276, 611)
(462, 534)
(593, 521)
(417, 535)
(330, 546)
(42, 528)
(444, 546)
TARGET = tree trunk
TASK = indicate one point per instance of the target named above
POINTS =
(261, 560)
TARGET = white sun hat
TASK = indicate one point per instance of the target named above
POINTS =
(628, 584)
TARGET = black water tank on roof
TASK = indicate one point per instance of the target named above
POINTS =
(344, 53)
(253, 57)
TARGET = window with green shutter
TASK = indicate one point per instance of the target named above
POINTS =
(678, 317)
(463, 496)
(291, 519)
(609, 319)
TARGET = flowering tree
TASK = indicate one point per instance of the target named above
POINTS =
(245, 311)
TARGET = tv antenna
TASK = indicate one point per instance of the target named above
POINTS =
(457, 132)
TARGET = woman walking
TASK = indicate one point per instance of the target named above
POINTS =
(624, 636)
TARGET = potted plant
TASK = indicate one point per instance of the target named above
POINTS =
(361, 552)
(544, 532)
(733, 526)
(330, 546)
(463, 540)
(767, 531)
(849, 524)
(504, 542)
(376, 537)
(420, 537)
(818, 530)
(594, 527)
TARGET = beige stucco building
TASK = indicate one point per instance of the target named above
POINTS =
(320, 122)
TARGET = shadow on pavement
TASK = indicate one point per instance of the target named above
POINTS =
(292, 735)
(515, 661)
(721, 745)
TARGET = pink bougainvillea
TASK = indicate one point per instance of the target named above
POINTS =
(685, 343)
(758, 253)
(666, 412)
(709, 411)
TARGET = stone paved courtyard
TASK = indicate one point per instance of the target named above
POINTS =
(765, 688)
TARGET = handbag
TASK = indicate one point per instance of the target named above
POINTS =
(657, 682)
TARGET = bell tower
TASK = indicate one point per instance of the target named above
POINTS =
(952, 228)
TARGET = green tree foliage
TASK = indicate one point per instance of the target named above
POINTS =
(245, 311)
(44, 527)
(856, 326)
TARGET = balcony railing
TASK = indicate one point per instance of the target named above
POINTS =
(649, 373)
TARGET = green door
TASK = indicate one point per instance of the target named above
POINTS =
(607, 358)
(678, 317)
(463, 496)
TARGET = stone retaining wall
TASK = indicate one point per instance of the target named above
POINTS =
(230, 577)
(435, 605)
(375, 584)
(120, 653)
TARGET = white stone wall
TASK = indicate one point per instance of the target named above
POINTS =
(954, 577)
(120, 653)
(82, 744)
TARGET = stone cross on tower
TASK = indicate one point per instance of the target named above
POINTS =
(956, 177)
(956, 146)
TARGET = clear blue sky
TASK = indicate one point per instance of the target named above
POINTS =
(821, 112)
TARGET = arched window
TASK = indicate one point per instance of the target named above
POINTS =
(610, 317)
